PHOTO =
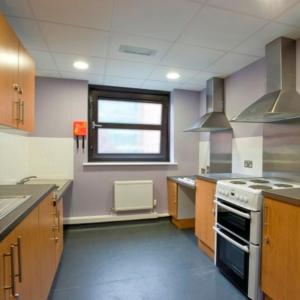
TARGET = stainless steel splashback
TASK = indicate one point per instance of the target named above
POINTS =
(221, 152)
(281, 150)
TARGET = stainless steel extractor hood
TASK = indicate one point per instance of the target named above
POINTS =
(214, 119)
(282, 102)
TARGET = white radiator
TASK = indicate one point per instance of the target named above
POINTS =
(133, 195)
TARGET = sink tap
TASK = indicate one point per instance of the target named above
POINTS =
(25, 179)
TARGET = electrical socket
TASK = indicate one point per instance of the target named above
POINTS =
(248, 164)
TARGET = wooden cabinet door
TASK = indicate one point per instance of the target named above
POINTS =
(27, 89)
(281, 250)
(172, 198)
(27, 255)
(47, 245)
(8, 74)
(6, 281)
(59, 212)
(205, 217)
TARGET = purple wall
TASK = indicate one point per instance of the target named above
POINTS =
(59, 102)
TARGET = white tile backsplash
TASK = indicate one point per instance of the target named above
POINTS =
(21, 155)
(13, 157)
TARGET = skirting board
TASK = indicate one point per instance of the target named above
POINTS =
(112, 218)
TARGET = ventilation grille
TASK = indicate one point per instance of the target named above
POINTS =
(137, 50)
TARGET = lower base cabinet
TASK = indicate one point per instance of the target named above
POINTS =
(30, 254)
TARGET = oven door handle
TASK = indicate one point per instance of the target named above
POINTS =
(230, 240)
(235, 211)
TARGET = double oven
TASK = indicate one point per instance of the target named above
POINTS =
(238, 240)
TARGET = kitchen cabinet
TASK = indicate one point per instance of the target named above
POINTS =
(280, 250)
(47, 244)
(17, 81)
(172, 198)
(9, 59)
(58, 229)
(19, 252)
(205, 216)
(181, 205)
(26, 92)
(30, 253)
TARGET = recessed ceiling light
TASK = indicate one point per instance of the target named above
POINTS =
(81, 65)
(173, 75)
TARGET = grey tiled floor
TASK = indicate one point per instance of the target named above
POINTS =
(147, 261)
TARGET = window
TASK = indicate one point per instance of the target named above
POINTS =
(128, 124)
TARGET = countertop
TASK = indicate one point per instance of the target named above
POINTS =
(214, 177)
(37, 192)
(291, 196)
(175, 179)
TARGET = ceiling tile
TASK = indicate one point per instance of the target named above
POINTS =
(155, 18)
(47, 73)
(160, 73)
(201, 78)
(231, 63)
(123, 81)
(260, 8)
(160, 85)
(65, 63)
(88, 13)
(118, 39)
(17, 8)
(192, 87)
(256, 44)
(43, 60)
(28, 32)
(292, 16)
(128, 69)
(70, 39)
(187, 56)
(220, 29)
(91, 78)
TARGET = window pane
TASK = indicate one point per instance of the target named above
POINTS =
(128, 141)
(129, 112)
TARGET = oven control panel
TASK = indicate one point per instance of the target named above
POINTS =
(245, 199)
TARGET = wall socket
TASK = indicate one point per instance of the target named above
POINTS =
(248, 163)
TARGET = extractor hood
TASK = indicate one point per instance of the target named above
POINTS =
(282, 102)
(214, 119)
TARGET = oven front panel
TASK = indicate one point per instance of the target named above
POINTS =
(232, 261)
(232, 221)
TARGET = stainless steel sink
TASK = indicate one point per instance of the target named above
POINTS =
(9, 203)
(59, 183)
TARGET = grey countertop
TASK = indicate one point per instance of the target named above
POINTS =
(175, 179)
(291, 196)
(59, 193)
(214, 177)
(37, 192)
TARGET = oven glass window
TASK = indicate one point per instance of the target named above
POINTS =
(233, 262)
(233, 222)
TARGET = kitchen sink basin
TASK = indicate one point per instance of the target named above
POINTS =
(9, 203)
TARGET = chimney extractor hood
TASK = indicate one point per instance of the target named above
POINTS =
(214, 119)
(282, 102)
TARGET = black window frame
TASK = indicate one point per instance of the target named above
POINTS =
(133, 95)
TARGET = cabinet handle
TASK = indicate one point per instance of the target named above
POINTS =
(58, 220)
(22, 104)
(266, 224)
(19, 245)
(12, 270)
(18, 112)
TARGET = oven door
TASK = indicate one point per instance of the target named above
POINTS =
(232, 258)
(233, 218)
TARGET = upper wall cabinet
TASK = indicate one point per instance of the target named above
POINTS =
(17, 81)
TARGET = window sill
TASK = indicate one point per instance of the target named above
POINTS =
(138, 163)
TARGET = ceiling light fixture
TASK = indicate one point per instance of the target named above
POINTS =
(80, 65)
(173, 75)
